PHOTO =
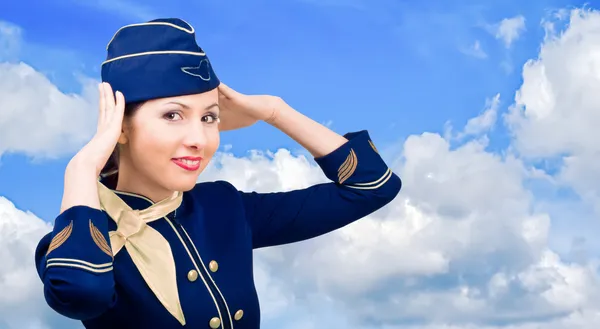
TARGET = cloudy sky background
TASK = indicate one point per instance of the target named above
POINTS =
(488, 110)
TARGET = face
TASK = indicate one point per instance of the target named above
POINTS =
(168, 142)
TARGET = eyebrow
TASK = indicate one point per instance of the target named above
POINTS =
(187, 107)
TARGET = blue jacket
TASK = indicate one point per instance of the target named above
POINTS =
(212, 236)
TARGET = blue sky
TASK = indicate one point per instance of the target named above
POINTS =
(394, 68)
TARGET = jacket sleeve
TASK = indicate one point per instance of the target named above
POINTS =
(361, 183)
(74, 262)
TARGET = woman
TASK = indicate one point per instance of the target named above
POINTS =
(148, 247)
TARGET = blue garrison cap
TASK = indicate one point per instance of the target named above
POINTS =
(159, 58)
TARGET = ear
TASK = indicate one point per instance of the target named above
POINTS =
(123, 137)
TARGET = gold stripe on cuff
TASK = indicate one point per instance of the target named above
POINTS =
(77, 263)
(374, 184)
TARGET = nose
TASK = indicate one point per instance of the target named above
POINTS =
(195, 136)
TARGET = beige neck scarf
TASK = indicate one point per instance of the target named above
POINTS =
(148, 249)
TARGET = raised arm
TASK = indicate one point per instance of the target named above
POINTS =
(74, 261)
(361, 182)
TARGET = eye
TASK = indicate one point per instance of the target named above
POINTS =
(210, 118)
(172, 116)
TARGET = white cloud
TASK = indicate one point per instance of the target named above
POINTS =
(556, 109)
(509, 29)
(485, 120)
(463, 221)
(480, 124)
(464, 246)
(33, 111)
(22, 303)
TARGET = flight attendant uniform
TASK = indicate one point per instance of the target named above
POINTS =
(186, 262)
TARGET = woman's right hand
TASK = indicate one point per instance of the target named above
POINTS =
(97, 151)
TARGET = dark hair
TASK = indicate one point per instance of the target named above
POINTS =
(110, 172)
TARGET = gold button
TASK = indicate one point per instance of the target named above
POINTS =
(238, 315)
(192, 275)
(215, 323)
(214, 266)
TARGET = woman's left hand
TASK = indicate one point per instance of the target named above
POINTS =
(238, 110)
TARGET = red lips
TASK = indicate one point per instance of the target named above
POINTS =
(188, 163)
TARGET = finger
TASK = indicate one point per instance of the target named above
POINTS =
(119, 107)
(101, 105)
(221, 93)
(109, 98)
(226, 91)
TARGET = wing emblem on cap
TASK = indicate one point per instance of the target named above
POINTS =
(201, 71)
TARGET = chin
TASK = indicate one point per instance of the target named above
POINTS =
(179, 183)
(184, 186)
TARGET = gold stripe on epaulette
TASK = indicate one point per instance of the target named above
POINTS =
(373, 146)
(348, 167)
(60, 238)
(99, 239)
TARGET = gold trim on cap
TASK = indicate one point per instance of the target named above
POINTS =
(157, 52)
(189, 31)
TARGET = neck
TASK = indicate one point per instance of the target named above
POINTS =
(131, 182)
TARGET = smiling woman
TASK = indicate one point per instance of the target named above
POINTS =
(146, 246)
(158, 133)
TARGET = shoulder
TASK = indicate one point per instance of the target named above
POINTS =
(215, 193)
(217, 199)
(214, 188)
